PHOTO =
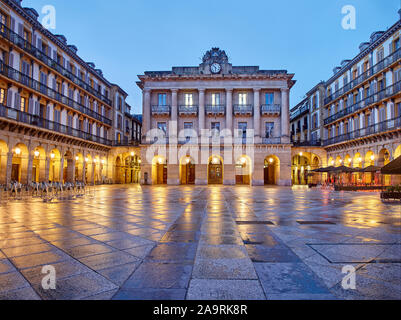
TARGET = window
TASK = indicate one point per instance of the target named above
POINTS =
(243, 127)
(269, 98)
(162, 99)
(215, 99)
(162, 126)
(188, 126)
(189, 99)
(119, 122)
(215, 126)
(243, 98)
(397, 75)
(314, 102)
(269, 130)
(380, 54)
(3, 21)
(396, 45)
(23, 105)
(118, 137)
(56, 115)
(2, 95)
(345, 80)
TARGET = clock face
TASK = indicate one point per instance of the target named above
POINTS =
(215, 68)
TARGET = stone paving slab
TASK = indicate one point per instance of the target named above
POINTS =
(200, 242)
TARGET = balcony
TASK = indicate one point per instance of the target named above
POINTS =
(300, 112)
(372, 99)
(218, 110)
(45, 90)
(312, 143)
(243, 110)
(271, 109)
(388, 125)
(188, 110)
(396, 55)
(161, 110)
(32, 50)
(271, 141)
(23, 117)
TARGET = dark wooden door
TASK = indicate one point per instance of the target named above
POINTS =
(215, 174)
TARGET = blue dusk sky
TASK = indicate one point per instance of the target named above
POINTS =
(128, 37)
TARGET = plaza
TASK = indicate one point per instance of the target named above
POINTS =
(201, 242)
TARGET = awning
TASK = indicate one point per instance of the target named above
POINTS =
(343, 169)
(371, 169)
(394, 167)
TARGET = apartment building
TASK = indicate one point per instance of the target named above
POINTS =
(198, 109)
(59, 116)
(360, 114)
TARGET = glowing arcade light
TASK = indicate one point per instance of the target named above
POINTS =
(271, 160)
(372, 158)
(86, 160)
(160, 160)
(36, 153)
(94, 160)
(243, 160)
(76, 158)
(103, 161)
(132, 154)
(188, 160)
(52, 155)
(17, 151)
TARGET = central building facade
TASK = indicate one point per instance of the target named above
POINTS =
(216, 124)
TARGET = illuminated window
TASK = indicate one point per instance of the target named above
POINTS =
(243, 98)
(23, 104)
(215, 99)
(189, 99)
(2, 95)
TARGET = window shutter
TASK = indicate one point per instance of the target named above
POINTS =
(12, 24)
(54, 84)
(21, 29)
(40, 44)
(62, 89)
(34, 40)
(11, 60)
(54, 55)
(30, 106)
(36, 111)
(390, 48)
(9, 98)
(17, 101)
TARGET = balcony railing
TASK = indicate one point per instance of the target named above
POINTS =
(243, 109)
(380, 127)
(271, 109)
(367, 74)
(271, 140)
(161, 110)
(312, 143)
(31, 49)
(188, 110)
(216, 110)
(45, 90)
(374, 98)
(301, 111)
(34, 120)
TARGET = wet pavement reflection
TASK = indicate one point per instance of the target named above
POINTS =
(198, 242)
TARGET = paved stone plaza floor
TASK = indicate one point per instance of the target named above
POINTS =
(129, 242)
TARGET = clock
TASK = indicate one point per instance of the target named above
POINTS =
(215, 68)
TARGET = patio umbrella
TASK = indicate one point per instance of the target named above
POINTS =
(394, 167)
(343, 169)
(371, 169)
(328, 169)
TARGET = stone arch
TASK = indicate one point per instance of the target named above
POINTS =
(159, 170)
(79, 167)
(215, 170)
(243, 170)
(272, 170)
(300, 168)
(339, 161)
(19, 165)
(54, 165)
(370, 158)
(187, 170)
(3, 161)
(397, 152)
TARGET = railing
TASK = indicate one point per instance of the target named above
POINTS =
(188, 109)
(219, 109)
(125, 143)
(53, 94)
(161, 109)
(374, 98)
(300, 111)
(367, 74)
(271, 108)
(31, 49)
(313, 143)
(380, 127)
(271, 140)
(243, 108)
(34, 120)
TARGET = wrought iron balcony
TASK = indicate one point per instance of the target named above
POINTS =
(389, 60)
(300, 112)
(188, 110)
(381, 127)
(372, 99)
(271, 140)
(34, 120)
(216, 110)
(31, 49)
(271, 109)
(19, 77)
(243, 109)
(161, 110)
(312, 143)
